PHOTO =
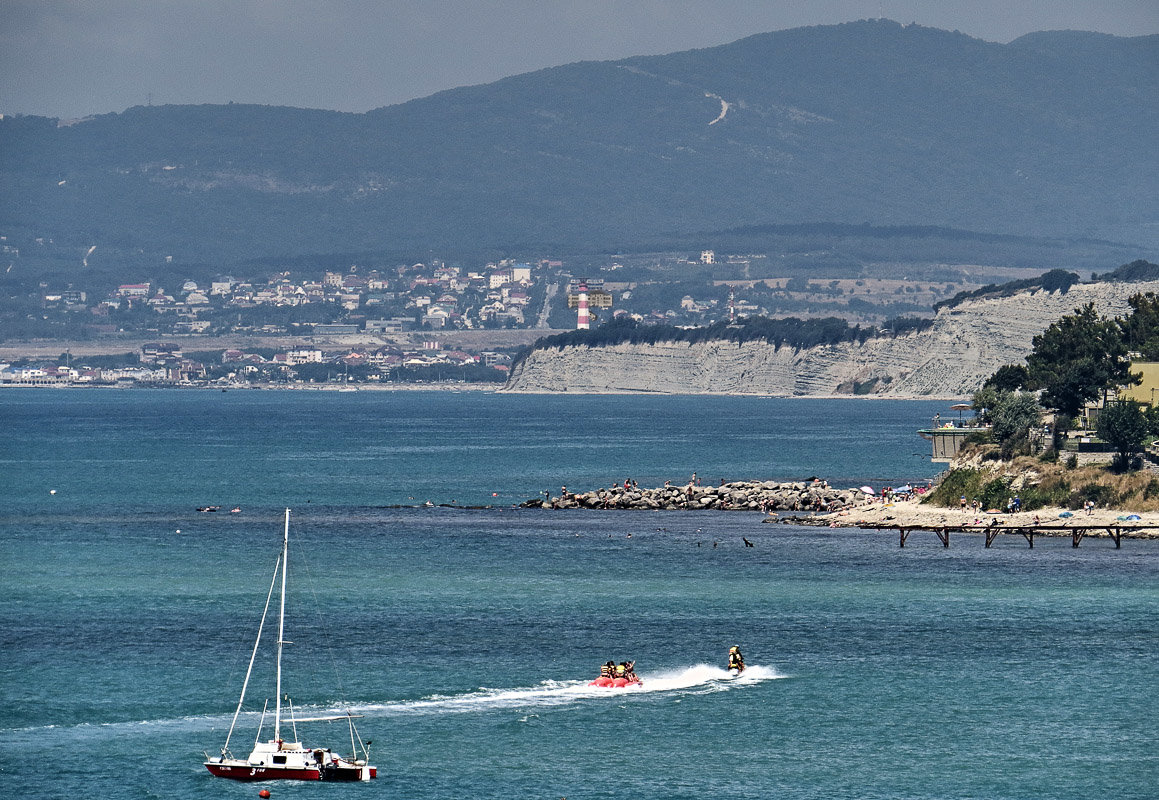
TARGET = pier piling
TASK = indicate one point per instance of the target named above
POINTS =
(991, 532)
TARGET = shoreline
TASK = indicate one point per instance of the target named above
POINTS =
(814, 503)
(370, 387)
(495, 388)
(914, 513)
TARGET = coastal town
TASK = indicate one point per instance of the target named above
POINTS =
(419, 322)
(313, 316)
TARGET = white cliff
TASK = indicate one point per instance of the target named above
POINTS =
(965, 345)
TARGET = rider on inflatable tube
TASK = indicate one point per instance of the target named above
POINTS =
(617, 676)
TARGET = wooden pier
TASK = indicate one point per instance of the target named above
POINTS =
(992, 531)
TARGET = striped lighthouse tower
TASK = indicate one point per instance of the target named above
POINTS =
(584, 320)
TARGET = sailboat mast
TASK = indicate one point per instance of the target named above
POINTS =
(253, 655)
(281, 629)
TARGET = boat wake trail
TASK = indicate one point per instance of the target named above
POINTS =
(698, 679)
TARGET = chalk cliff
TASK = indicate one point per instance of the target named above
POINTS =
(965, 345)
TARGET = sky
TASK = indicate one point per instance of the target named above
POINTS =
(74, 58)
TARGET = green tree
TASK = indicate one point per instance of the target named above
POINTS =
(1013, 417)
(1076, 358)
(984, 401)
(1009, 378)
(1140, 328)
(1123, 426)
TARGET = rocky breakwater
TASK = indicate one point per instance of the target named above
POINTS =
(736, 496)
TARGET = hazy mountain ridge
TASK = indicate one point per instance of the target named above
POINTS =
(862, 122)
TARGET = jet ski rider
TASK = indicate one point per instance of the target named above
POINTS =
(735, 659)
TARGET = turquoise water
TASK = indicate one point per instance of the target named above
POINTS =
(465, 637)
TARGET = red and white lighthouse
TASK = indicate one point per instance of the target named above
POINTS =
(584, 320)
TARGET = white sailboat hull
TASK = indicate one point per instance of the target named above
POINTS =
(278, 759)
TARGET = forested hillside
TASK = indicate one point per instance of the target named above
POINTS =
(870, 122)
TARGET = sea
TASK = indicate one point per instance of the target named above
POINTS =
(464, 630)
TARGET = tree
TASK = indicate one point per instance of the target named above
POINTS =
(984, 401)
(1124, 427)
(1013, 416)
(1009, 378)
(1140, 328)
(1076, 358)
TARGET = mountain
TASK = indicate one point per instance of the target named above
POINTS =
(1051, 135)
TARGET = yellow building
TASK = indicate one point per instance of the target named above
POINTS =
(1147, 391)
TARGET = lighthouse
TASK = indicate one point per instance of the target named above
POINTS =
(584, 320)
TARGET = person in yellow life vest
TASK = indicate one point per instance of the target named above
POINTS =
(735, 659)
(622, 669)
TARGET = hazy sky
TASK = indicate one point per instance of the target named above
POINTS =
(71, 58)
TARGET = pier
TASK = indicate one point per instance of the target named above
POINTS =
(1076, 532)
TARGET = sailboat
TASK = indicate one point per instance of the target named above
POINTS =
(278, 758)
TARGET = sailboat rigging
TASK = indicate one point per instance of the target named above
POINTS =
(277, 758)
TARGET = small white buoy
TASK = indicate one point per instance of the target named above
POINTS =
(52, 491)
(179, 530)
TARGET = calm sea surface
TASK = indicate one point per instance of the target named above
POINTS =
(466, 636)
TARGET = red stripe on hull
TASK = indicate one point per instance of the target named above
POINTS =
(248, 773)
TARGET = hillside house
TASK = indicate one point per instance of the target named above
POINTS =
(154, 352)
(303, 355)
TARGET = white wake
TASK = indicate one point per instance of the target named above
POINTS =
(701, 678)
(697, 679)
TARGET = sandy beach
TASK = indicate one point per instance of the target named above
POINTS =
(913, 512)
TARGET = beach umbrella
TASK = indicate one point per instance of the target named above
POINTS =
(867, 489)
(960, 407)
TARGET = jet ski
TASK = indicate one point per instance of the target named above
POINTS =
(735, 661)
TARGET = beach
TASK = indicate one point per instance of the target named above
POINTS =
(912, 512)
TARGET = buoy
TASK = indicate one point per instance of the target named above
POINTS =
(264, 793)
(52, 491)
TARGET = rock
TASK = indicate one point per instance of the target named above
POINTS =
(965, 345)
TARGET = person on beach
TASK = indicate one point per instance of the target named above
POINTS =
(962, 502)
